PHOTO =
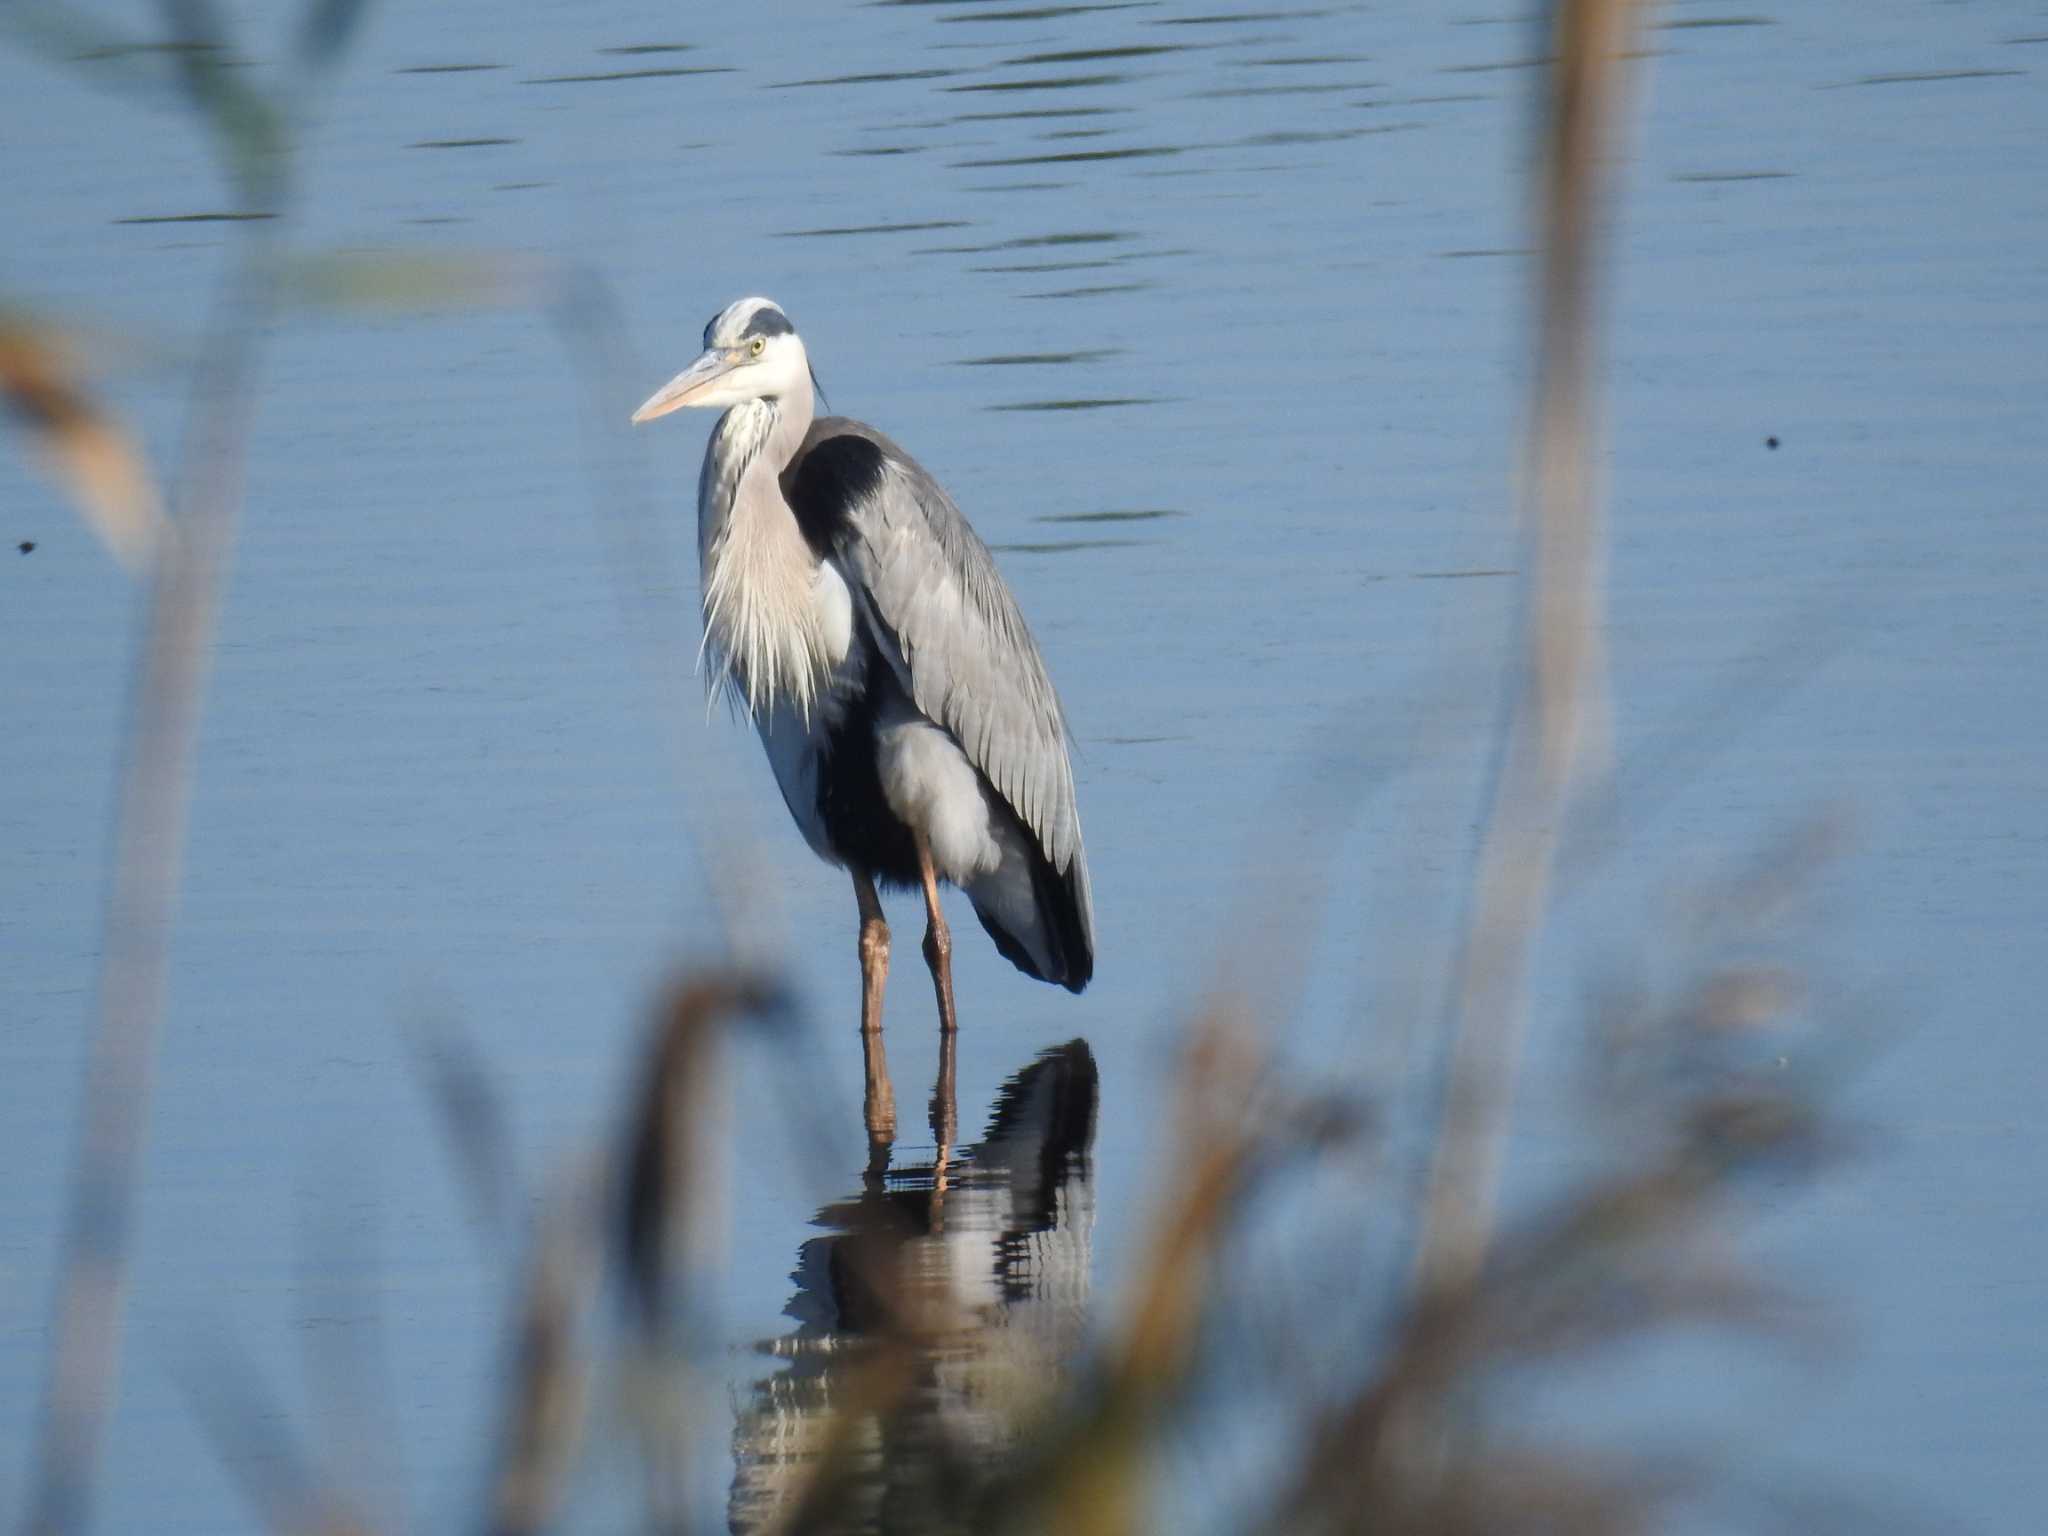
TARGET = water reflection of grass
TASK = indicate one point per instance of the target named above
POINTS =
(908, 1403)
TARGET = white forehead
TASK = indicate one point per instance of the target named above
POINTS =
(742, 318)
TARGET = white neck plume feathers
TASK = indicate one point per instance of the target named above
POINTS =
(762, 628)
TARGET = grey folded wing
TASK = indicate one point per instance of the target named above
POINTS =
(945, 621)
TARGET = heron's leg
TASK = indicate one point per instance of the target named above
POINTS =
(938, 939)
(879, 1098)
(945, 1123)
(874, 952)
(878, 1103)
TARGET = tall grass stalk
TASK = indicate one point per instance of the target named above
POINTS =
(175, 654)
(1556, 706)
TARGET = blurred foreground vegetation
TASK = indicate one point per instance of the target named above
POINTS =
(948, 1371)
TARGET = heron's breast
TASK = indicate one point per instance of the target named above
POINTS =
(777, 620)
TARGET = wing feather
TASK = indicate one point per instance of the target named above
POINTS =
(942, 616)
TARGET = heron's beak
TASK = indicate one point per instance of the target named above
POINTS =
(693, 380)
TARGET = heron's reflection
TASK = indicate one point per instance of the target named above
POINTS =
(974, 1265)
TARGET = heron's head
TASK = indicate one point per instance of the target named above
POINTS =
(751, 352)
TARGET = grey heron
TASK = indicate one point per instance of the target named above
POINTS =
(904, 706)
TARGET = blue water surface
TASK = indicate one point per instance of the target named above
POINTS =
(1214, 325)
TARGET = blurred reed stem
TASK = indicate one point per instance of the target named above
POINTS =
(1557, 707)
(153, 802)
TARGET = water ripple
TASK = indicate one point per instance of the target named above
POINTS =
(1138, 515)
(1089, 55)
(659, 72)
(1093, 291)
(870, 229)
(1099, 403)
(1073, 157)
(1037, 359)
(1064, 546)
(1925, 76)
(1053, 12)
(879, 77)
(1233, 18)
(1045, 83)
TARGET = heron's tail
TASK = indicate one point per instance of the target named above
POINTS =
(1042, 919)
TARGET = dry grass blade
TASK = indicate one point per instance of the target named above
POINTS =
(662, 1162)
(904, 1329)
(148, 857)
(339, 1278)
(65, 33)
(1217, 1143)
(249, 127)
(1092, 1474)
(395, 282)
(548, 1383)
(939, 1317)
(87, 453)
(275, 1476)
(325, 29)
(654, 1182)
(1543, 1493)
(1557, 703)
(872, 1392)
(471, 1116)
(1625, 1257)
(671, 1172)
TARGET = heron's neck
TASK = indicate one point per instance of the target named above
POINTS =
(749, 448)
(761, 617)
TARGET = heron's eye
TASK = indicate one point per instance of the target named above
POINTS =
(756, 346)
